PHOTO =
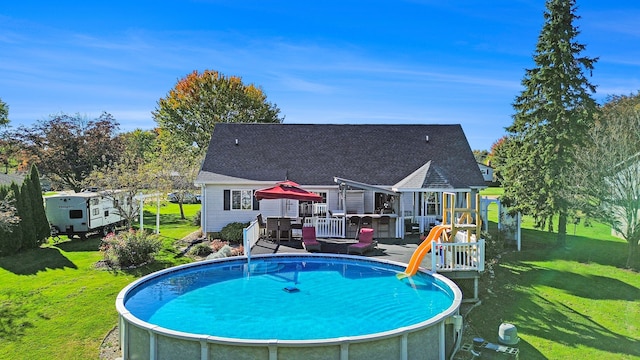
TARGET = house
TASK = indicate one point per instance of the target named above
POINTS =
(400, 171)
(487, 172)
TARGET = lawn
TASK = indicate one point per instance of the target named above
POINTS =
(576, 302)
(571, 303)
(54, 304)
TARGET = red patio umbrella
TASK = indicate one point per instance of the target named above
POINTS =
(287, 190)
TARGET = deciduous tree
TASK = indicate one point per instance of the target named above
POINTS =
(67, 148)
(552, 117)
(607, 171)
(200, 100)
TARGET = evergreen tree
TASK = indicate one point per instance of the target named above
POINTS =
(14, 242)
(26, 213)
(552, 117)
(41, 224)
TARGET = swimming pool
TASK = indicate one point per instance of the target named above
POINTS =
(287, 306)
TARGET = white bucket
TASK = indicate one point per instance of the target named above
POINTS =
(508, 334)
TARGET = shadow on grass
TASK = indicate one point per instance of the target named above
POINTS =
(76, 245)
(521, 295)
(33, 261)
(594, 287)
(538, 244)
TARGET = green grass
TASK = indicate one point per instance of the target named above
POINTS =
(568, 303)
(55, 305)
(571, 303)
(492, 191)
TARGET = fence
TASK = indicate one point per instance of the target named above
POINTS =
(462, 256)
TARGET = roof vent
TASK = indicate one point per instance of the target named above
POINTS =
(426, 138)
(236, 142)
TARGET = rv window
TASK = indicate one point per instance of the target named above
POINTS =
(94, 201)
(106, 213)
(75, 214)
(96, 211)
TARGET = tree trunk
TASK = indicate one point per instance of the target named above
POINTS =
(561, 240)
(632, 260)
(181, 210)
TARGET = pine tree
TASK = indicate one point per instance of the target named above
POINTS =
(28, 229)
(15, 240)
(552, 117)
(41, 224)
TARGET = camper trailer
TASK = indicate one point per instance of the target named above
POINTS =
(83, 213)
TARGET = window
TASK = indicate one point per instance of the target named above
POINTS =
(95, 211)
(241, 199)
(94, 201)
(75, 214)
(433, 203)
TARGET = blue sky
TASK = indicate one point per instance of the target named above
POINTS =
(356, 62)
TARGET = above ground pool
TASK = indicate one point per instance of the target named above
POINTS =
(287, 306)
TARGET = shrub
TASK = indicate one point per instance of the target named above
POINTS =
(130, 248)
(197, 218)
(201, 249)
(232, 232)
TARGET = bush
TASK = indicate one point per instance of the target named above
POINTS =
(202, 249)
(232, 232)
(130, 249)
(196, 220)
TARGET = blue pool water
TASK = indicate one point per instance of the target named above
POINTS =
(326, 298)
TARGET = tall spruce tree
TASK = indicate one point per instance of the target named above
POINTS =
(40, 222)
(552, 117)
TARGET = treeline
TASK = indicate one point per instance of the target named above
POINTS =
(32, 227)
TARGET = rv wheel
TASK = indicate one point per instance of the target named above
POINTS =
(105, 231)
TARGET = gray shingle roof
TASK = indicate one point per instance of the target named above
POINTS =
(312, 154)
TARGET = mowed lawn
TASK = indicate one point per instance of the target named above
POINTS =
(54, 303)
(568, 303)
(572, 303)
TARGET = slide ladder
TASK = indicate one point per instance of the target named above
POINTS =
(421, 251)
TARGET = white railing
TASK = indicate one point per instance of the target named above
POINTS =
(319, 209)
(458, 256)
(250, 236)
(327, 227)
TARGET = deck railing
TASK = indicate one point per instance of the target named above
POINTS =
(448, 257)
(250, 236)
(327, 227)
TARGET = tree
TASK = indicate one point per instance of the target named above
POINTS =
(607, 171)
(67, 148)
(200, 100)
(4, 113)
(8, 217)
(481, 156)
(552, 117)
(40, 222)
(496, 158)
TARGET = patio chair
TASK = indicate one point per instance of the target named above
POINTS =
(354, 221)
(366, 222)
(262, 226)
(285, 228)
(383, 222)
(365, 242)
(309, 240)
(272, 228)
(410, 226)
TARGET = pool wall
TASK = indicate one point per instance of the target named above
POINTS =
(430, 339)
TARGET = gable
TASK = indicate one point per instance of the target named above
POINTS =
(313, 154)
